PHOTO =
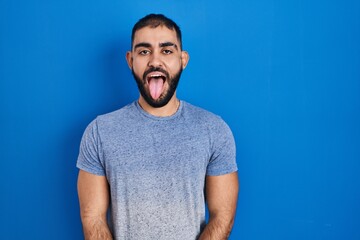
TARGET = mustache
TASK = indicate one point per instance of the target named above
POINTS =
(156, 69)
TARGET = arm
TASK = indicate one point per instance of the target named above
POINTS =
(93, 193)
(221, 195)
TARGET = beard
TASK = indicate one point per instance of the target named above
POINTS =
(166, 95)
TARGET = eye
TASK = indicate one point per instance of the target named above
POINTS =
(167, 51)
(144, 52)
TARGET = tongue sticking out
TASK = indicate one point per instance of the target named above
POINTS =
(156, 87)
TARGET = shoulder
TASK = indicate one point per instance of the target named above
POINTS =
(216, 128)
(112, 121)
(203, 116)
(199, 113)
(117, 116)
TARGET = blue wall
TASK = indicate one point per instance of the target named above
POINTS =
(285, 75)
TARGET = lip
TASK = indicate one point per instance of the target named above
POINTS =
(155, 74)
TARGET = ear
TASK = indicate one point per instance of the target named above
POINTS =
(184, 59)
(129, 59)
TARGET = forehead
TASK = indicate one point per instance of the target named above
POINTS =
(154, 36)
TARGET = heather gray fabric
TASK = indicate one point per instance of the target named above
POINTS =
(156, 168)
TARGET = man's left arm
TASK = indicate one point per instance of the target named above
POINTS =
(221, 195)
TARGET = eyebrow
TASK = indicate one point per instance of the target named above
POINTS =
(148, 45)
(142, 44)
(168, 44)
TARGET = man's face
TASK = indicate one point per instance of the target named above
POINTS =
(156, 61)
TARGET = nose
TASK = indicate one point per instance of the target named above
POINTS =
(155, 60)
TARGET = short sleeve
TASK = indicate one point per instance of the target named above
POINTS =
(223, 157)
(90, 153)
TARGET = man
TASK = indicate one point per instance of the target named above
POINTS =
(155, 161)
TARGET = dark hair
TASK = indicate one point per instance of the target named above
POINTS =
(153, 21)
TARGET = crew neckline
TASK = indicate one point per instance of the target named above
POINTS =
(148, 115)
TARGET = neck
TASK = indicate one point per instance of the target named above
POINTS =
(169, 109)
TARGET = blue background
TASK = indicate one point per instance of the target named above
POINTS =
(285, 75)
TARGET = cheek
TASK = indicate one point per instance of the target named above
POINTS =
(138, 66)
(175, 65)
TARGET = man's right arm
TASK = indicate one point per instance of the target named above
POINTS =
(93, 194)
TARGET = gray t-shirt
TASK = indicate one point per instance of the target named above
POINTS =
(156, 168)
